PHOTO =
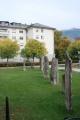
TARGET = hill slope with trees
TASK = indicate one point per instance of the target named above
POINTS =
(72, 34)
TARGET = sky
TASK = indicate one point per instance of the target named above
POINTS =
(59, 14)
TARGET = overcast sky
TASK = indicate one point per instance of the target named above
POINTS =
(59, 14)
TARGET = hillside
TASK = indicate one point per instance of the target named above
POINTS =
(71, 33)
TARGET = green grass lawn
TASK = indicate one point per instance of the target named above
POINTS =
(32, 97)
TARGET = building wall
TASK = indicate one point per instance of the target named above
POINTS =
(47, 36)
(42, 35)
(30, 33)
(49, 41)
(4, 32)
(14, 34)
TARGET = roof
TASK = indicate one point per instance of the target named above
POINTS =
(13, 25)
(24, 26)
(38, 25)
(4, 21)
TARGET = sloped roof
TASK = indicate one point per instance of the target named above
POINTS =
(38, 25)
(20, 25)
(13, 25)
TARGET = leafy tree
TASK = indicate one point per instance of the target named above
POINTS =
(34, 48)
(56, 52)
(74, 48)
(8, 48)
(57, 37)
(63, 45)
(24, 55)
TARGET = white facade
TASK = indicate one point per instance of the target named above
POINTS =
(43, 35)
(23, 33)
(15, 34)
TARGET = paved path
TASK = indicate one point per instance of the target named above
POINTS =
(73, 69)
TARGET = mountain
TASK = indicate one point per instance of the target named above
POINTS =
(71, 33)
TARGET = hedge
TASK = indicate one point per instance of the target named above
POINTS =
(15, 64)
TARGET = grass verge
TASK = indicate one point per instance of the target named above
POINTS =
(32, 97)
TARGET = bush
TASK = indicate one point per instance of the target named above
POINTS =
(16, 64)
(61, 62)
(75, 61)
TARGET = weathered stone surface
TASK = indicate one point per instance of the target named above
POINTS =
(46, 67)
(54, 72)
(41, 63)
(24, 67)
(63, 83)
(68, 77)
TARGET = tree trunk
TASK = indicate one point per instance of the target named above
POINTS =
(41, 63)
(24, 67)
(7, 63)
(33, 63)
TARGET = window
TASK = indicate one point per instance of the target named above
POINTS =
(37, 37)
(42, 37)
(20, 31)
(13, 37)
(41, 30)
(37, 30)
(13, 30)
(21, 38)
(3, 30)
(21, 45)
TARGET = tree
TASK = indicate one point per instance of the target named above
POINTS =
(74, 48)
(56, 52)
(57, 37)
(63, 45)
(8, 48)
(34, 48)
(24, 55)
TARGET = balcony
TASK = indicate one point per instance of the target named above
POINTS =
(4, 33)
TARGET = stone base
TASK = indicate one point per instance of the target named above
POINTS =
(53, 83)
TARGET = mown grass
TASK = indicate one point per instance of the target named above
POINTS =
(32, 97)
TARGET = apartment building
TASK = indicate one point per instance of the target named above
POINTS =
(23, 32)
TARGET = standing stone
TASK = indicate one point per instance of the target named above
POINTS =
(68, 76)
(41, 63)
(45, 67)
(54, 71)
(63, 83)
(24, 66)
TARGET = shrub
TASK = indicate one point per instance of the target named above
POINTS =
(16, 64)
